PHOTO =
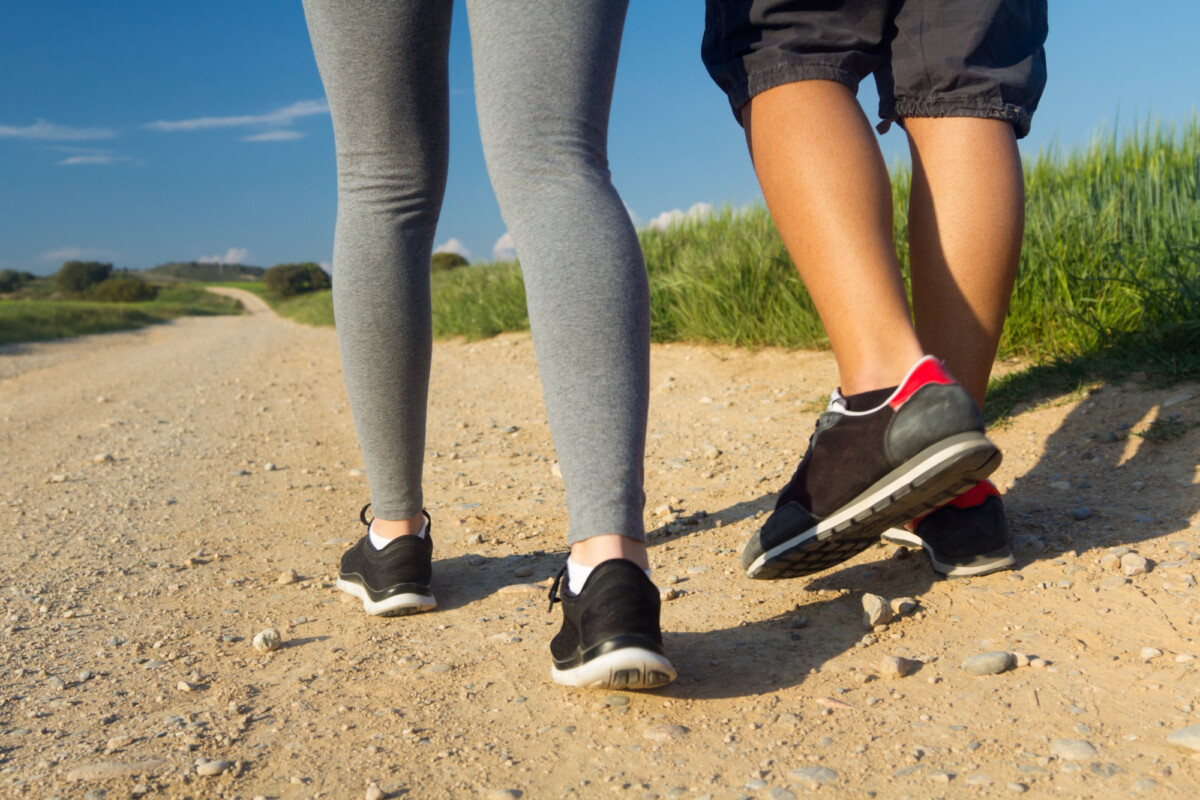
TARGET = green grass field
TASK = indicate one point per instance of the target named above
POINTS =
(36, 319)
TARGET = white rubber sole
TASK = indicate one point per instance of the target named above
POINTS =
(394, 606)
(982, 565)
(890, 497)
(626, 668)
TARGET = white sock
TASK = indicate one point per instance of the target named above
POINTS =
(378, 542)
(577, 575)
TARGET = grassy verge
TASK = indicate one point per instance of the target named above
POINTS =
(37, 320)
(1109, 282)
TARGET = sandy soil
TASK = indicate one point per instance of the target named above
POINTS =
(169, 493)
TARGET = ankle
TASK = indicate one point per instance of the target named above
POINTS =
(395, 528)
(598, 549)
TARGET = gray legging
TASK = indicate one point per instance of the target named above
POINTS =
(543, 85)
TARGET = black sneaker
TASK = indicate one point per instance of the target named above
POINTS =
(867, 471)
(610, 637)
(966, 537)
(392, 581)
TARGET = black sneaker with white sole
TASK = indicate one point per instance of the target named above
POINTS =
(964, 538)
(392, 581)
(610, 636)
(867, 471)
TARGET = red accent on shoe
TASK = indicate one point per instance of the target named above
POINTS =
(927, 370)
(968, 499)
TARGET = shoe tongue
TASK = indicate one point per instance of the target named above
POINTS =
(837, 403)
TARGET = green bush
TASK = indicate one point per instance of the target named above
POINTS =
(123, 289)
(76, 277)
(289, 280)
(11, 280)
(442, 262)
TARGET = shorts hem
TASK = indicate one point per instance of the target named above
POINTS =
(769, 78)
(956, 107)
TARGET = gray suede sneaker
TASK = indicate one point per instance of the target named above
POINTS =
(964, 538)
(867, 471)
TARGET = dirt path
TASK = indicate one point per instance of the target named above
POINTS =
(159, 487)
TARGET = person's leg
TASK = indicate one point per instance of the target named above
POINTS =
(543, 88)
(543, 79)
(828, 190)
(965, 223)
(384, 67)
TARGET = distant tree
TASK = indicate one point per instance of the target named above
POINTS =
(289, 280)
(446, 261)
(76, 277)
(123, 288)
(11, 280)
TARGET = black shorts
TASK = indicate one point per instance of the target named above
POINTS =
(930, 58)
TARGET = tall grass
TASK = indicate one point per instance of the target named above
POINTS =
(1109, 277)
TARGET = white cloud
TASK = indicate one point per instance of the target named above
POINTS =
(675, 216)
(504, 249)
(54, 132)
(281, 117)
(73, 254)
(453, 246)
(234, 255)
(274, 136)
(102, 159)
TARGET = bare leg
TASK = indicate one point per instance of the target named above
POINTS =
(966, 219)
(828, 191)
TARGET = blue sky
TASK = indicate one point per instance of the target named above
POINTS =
(139, 132)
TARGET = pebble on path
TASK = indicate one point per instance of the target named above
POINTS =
(903, 605)
(876, 610)
(211, 768)
(1080, 514)
(503, 794)
(286, 577)
(374, 793)
(1132, 564)
(1148, 653)
(814, 776)
(988, 663)
(663, 733)
(267, 641)
(897, 666)
(1186, 738)
(1073, 750)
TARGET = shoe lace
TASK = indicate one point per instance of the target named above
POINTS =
(362, 515)
(554, 598)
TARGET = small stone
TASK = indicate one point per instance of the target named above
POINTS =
(941, 776)
(286, 577)
(1149, 653)
(875, 610)
(267, 641)
(475, 538)
(1132, 564)
(663, 733)
(1020, 660)
(780, 793)
(523, 572)
(756, 784)
(1183, 658)
(1062, 486)
(897, 667)
(184, 686)
(503, 794)
(1081, 513)
(979, 779)
(902, 606)
(1144, 785)
(211, 768)
(374, 793)
(1109, 561)
(57, 478)
(1073, 750)
(668, 593)
(988, 663)
(1114, 582)
(103, 458)
(798, 621)
(814, 776)
(1186, 738)
(1019, 788)
(57, 683)
(711, 452)
(270, 466)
